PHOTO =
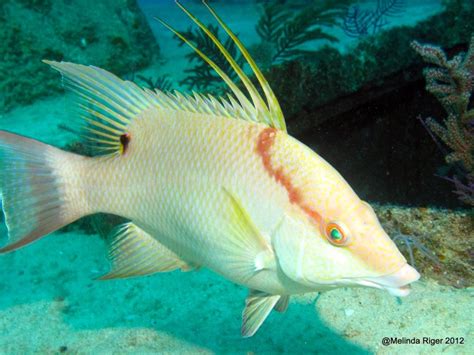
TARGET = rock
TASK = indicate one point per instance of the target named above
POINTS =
(444, 233)
(112, 34)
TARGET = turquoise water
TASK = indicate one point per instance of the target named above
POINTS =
(350, 88)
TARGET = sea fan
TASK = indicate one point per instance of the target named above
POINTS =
(452, 83)
(287, 30)
(359, 23)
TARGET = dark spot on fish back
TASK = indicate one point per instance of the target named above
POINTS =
(124, 141)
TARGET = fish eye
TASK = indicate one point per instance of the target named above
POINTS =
(336, 234)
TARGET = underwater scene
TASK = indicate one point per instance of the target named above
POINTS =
(237, 177)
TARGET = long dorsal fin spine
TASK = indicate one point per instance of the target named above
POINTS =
(256, 98)
(273, 104)
(240, 96)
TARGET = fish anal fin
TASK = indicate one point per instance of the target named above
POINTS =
(282, 304)
(258, 306)
(133, 252)
(248, 249)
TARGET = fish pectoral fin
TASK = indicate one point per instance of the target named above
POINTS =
(289, 250)
(249, 250)
(258, 306)
(282, 304)
(133, 252)
(265, 260)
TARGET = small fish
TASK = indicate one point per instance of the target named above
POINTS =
(205, 182)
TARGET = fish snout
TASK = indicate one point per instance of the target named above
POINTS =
(397, 283)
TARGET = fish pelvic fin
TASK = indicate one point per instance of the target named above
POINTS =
(249, 250)
(34, 189)
(133, 253)
(263, 111)
(258, 306)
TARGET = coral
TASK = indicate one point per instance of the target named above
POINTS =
(327, 74)
(452, 83)
(440, 241)
(359, 23)
(282, 32)
(287, 30)
(116, 37)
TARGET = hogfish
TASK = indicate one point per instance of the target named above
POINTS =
(204, 181)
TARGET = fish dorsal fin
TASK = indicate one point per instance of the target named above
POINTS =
(133, 252)
(107, 103)
(249, 252)
(258, 306)
(268, 112)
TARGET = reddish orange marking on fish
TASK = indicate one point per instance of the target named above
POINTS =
(313, 214)
(265, 141)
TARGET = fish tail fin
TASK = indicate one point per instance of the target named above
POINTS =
(33, 189)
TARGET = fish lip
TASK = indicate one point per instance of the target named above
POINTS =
(400, 291)
(396, 283)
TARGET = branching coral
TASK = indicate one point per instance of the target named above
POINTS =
(452, 82)
(359, 22)
(283, 31)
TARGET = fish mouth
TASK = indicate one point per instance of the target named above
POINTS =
(397, 283)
